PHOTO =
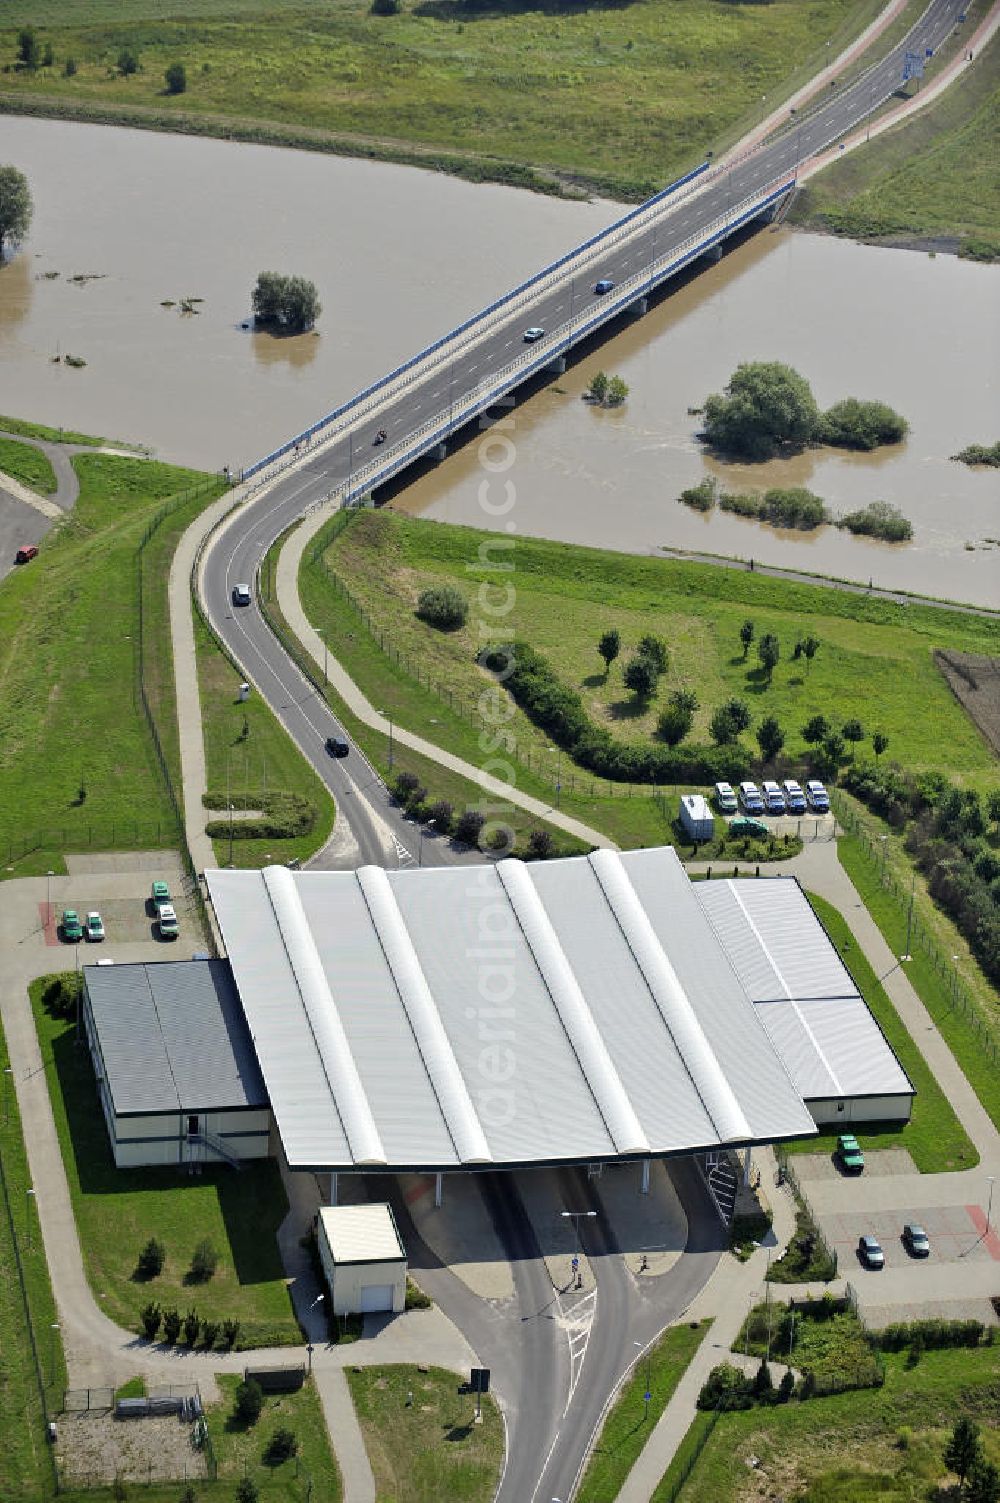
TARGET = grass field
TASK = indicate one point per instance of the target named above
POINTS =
(875, 659)
(27, 465)
(429, 1450)
(628, 1424)
(77, 768)
(118, 1210)
(623, 97)
(934, 176)
(239, 1452)
(934, 1136)
(52, 435)
(857, 1447)
(26, 1470)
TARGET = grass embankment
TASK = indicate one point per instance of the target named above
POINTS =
(627, 1426)
(874, 662)
(933, 177)
(883, 1443)
(961, 1035)
(77, 767)
(490, 92)
(247, 753)
(934, 1137)
(52, 435)
(428, 1450)
(26, 1471)
(118, 1210)
(29, 466)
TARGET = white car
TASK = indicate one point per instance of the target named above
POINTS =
(166, 918)
(795, 799)
(533, 334)
(93, 927)
(750, 798)
(818, 798)
(241, 594)
(774, 799)
(725, 798)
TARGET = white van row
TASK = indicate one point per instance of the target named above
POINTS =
(788, 797)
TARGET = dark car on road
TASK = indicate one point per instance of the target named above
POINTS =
(870, 1252)
(241, 594)
(336, 746)
(915, 1240)
(603, 286)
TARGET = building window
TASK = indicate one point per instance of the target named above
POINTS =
(840, 1108)
(193, 1127)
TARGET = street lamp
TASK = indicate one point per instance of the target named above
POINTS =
(389, 718)
(322, 635)
(52, 1350)
(575, 1217)
(29, 1196)
(558, 752)
(231, 832)
(7, 1070)
(309, 1346)
(989, 1206)
(647, 1393)
(48, 898)
(909, 920)
(885, 846)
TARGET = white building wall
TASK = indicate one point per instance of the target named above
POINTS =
(162, 1139)
(853, 1109)
(347, 1280)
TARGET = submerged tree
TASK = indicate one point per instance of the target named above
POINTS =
(15, 208)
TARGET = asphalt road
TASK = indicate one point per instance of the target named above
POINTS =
(378, 833)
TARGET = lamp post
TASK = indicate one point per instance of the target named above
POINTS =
(989, 1204)
(48, 898)
(558, 752)
(29, 1196)
(389, 718)
(576, 1217)
(321, 630)
(885, 846)
(909, 920)
(309, 1346)
(7, 1070)
(52, 1350)
(647, 1392)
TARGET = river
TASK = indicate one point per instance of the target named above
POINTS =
(400, 255)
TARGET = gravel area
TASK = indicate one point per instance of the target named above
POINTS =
(94, 1447)
(879, 1164)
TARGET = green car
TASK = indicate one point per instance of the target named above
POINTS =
(161, 894)
(741, 825)
(849, 1153)
(72, 929)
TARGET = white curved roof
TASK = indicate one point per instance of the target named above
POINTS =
(579, 1009)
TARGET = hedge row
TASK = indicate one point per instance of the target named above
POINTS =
(560, 712)
(928, 1333)
(284, 816)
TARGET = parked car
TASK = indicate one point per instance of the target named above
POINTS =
(604, 285)
(337, 747)
(870, 1252)
(915, 1240)
(817, 797)
(750, 798)
(72, 929)
(795, 799)
(93, 927)
(774, 799)
(241, 594)
(533, 334)
(743, 825)
(160, 894)
(166, 918)
(849, 1153)
(26, 553)
(725, 798)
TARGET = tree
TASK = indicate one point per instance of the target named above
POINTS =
(641, 676)
(879, 743)
(810, 646)
(28, 49)
(770, 738)
(15, 208)
(851, 424)
(786, 1387)
(48, 56)
(171, 1325)
(762, 1381)
(853, 731)
(204, 1262)
(599, 387)
(176, 78)
(469, 827)
(128, 62)
(385, 7)
(149, 1319)
(983, 1482)
(655, 649)
(617, 391)
(816, 730)
(291, 303)
(609, 647)
(247, 1491)
(729, 720)
(192, 1325)
(766, 405)
(963, 1449)
(540, 845)
(282, 1445)
(69, 67)
(249, 1402)
(677, 719)
(769, 651)
(151, 1259)
(746, 637)
(443, 606)
(441, 814)
(993, 805)
(829, 756)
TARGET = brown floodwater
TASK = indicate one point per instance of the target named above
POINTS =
(398, 256)
(921, 333)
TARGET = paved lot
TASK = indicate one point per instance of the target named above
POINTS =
(956, 1234)
(19, 524)
(811, 1168)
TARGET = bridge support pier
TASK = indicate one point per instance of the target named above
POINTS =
(439, 452)
(639, 307)
(438, 1191)
(714, 252)
(333, 1188)
(644, 1186)
(557, 367)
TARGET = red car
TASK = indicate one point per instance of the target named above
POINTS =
(26, 554)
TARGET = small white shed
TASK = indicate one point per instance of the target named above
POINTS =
(363, 1259)
(697, 820)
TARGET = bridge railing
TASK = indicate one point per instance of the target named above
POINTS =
(608, 236)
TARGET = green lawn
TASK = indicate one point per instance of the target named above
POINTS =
(875, 659)
(77, 767)
(934, 176)
(872, 1446)
(628, 1426)
(427, 1451)
(52, 435)
(934, 1136)
(313, 1475)
(26, 1470)
(624, 98)
(28, 465)
(118, 1210)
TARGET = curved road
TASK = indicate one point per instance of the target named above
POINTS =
(439, 386)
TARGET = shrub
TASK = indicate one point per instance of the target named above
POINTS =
(655, 649)
(729, 721)
(442, 813)
(641, 675)
(192, 1325)
(786, 1387)
(247, 1491)
(230, 1332)
(151, 1259)
(209, 1334)
(386, 7)
(204, 1262)
(469, 827)
(700, 497)
(540, 845)
(60, 996)
(128, 62)
(988, 454)
(674, 723)
(416, 1299)
(290, 303)
(443, 606)
(149, 1319)
(405, 785)
(725, 1388)
(766, 406)
(797, 507)
(286, 816)
(249, 1402)
(878, 519)
(598, 388)
(175, 78)
(851, 424)
(498, 840)
(617, 391)
(69, 67)
(609, 646)
(171, 1325)
(281, 1446)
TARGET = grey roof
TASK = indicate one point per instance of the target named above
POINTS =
(566, 1010)
(173, 1037)
(804, 995)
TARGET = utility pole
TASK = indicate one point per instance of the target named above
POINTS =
(909, 920)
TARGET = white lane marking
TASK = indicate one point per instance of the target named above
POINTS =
(577, 1320)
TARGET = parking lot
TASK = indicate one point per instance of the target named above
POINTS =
(954, 1233)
